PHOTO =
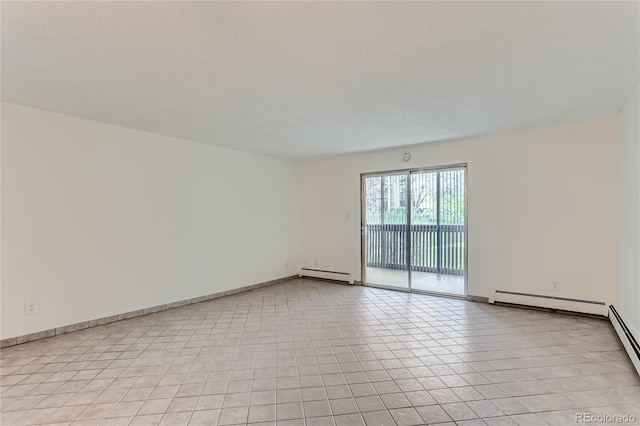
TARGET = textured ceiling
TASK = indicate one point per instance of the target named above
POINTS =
(301, 80)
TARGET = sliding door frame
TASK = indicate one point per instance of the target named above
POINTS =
(409, 173)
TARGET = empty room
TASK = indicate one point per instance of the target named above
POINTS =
(319, 213)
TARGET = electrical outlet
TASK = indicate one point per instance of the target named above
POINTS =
(555, 286)
(30, 308)
(286, 264)
(315, 263)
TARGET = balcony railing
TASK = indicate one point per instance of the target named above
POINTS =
(434, 248)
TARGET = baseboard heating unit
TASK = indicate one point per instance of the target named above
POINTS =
(626, 337)
(549, 302)
(327, 275)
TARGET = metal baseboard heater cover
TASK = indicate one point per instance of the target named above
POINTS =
(549, 302)
(327, 275)
(626, 337)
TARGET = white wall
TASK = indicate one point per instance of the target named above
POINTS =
(542, 208)
(628, 304)
(99, 220)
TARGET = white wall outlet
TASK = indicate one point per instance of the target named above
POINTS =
(315, 263)
(555, 286)
(30, 308)
(286, 264)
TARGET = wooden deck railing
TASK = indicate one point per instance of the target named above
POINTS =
(434, 248)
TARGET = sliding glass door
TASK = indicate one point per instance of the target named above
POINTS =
(414, 230)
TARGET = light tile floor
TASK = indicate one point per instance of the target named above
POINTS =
(315, 353)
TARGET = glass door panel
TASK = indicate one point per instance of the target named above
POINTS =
(438, 231)
(385, 230)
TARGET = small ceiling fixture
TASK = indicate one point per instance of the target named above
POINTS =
(405, 156)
